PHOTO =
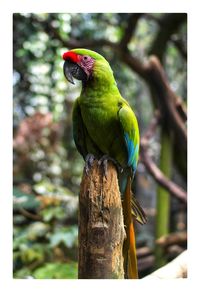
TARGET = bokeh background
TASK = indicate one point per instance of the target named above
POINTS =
(47, 166)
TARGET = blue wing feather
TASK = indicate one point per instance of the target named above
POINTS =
(132, 152)
(130, 130)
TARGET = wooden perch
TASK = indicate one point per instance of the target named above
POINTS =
(101, 226)
(175, 269)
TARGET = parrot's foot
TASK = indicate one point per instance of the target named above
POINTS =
(103, 161)
(89, 160)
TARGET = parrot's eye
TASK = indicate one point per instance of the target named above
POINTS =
(85, 58)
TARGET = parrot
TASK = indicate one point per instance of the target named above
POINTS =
(106, 128)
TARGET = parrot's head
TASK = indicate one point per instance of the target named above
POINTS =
(82, 64)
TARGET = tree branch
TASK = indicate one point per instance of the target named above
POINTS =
(153, 73)
(166, 100)
(171, 23)
(129, 30)
(72, 43)
(173, 238)
(180, 46)
(153, 169)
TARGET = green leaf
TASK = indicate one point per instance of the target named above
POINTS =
(50, 213)
(57, 271)
(36, 230)
(23, 273)
(24, 200)
(68, 236)
(34, 253)
(45, 187)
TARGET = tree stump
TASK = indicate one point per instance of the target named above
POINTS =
(101, 225)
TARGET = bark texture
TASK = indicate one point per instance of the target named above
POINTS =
(101, 226)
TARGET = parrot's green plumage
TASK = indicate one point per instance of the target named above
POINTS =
(105, 113)
(104, 124)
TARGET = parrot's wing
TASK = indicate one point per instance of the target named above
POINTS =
(130, 130)
(79, 130)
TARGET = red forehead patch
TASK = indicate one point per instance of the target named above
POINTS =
(70, 55)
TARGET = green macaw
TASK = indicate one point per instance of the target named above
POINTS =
(105, 127)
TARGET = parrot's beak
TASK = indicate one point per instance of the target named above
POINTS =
(72, 70)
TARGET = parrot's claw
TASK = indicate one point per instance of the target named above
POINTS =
(89, 160)
(104, 162)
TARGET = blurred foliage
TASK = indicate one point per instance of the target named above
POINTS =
(47, 166)
(42, 232)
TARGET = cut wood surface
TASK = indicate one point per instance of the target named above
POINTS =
(101, 226)
(173, 270)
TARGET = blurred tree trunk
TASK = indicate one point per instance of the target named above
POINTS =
(163, 196)
(171, 22)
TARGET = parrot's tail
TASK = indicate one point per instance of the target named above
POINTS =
(132, 211)
(129, 248)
